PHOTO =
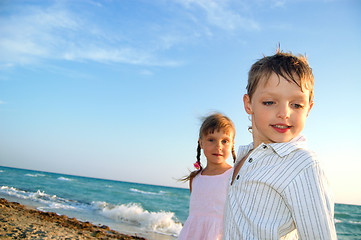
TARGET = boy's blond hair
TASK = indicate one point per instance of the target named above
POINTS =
(294, 69)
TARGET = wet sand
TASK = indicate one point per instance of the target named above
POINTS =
(20, 222)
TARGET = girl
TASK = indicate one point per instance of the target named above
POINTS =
(208, 186)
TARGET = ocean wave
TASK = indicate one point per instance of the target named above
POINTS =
(51, 201)
(35, 175)
(337, 221)
(1, 170)
(64, 179)
(11, 191)
(161, 222)
(350, 222)
(356, 223)
(147, 193)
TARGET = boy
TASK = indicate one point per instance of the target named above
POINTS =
(278, 189)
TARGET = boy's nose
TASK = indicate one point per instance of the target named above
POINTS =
(283, 112)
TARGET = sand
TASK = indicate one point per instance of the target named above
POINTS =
(20, 222)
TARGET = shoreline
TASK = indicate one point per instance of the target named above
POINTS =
(19, 221)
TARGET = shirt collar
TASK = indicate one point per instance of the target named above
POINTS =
(282, 149)
(243, 151)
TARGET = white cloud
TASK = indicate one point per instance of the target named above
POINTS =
(222, 15)
(119, 55)
(56, 33)
(279, 3)
(146, 72)
(35, 34)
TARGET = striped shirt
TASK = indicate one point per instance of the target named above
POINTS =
(281, 192)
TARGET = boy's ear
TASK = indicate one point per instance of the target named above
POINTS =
(247, 104)
(309, 109)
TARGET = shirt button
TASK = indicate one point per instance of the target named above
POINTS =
(264, 146)
(237, 177)
(250, 160)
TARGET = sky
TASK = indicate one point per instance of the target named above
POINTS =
(116, 89)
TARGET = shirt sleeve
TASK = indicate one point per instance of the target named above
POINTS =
(311, 204)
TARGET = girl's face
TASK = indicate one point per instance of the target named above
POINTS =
(216, 147)
(279, 110)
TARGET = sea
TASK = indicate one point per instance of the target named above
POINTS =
(151, 211)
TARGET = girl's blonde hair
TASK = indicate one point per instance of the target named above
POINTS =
(212, 123)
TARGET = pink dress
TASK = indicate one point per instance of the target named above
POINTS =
(206, 207)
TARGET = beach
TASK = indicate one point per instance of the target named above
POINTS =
(21, 222)
(152, 212)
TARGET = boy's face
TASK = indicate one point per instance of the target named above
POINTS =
(279, 110)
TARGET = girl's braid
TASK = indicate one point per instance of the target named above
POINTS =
(233, 154)
(199, 155)
(194, 173)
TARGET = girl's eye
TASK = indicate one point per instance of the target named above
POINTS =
(225, 141)
(267, 103)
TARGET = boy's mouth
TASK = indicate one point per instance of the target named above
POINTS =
(281, 128)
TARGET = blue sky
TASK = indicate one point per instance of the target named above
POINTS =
(115, 89)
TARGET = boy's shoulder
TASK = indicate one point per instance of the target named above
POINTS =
(296, 164)
(306, 155)
(295, 150)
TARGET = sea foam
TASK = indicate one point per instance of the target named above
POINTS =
(64, 179)
(34, 175)
(162, 221)
(133, 213)
(147, 193)
(51, 201)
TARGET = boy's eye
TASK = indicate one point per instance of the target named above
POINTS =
(298, 106)
(267, 103)
(225, 141)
